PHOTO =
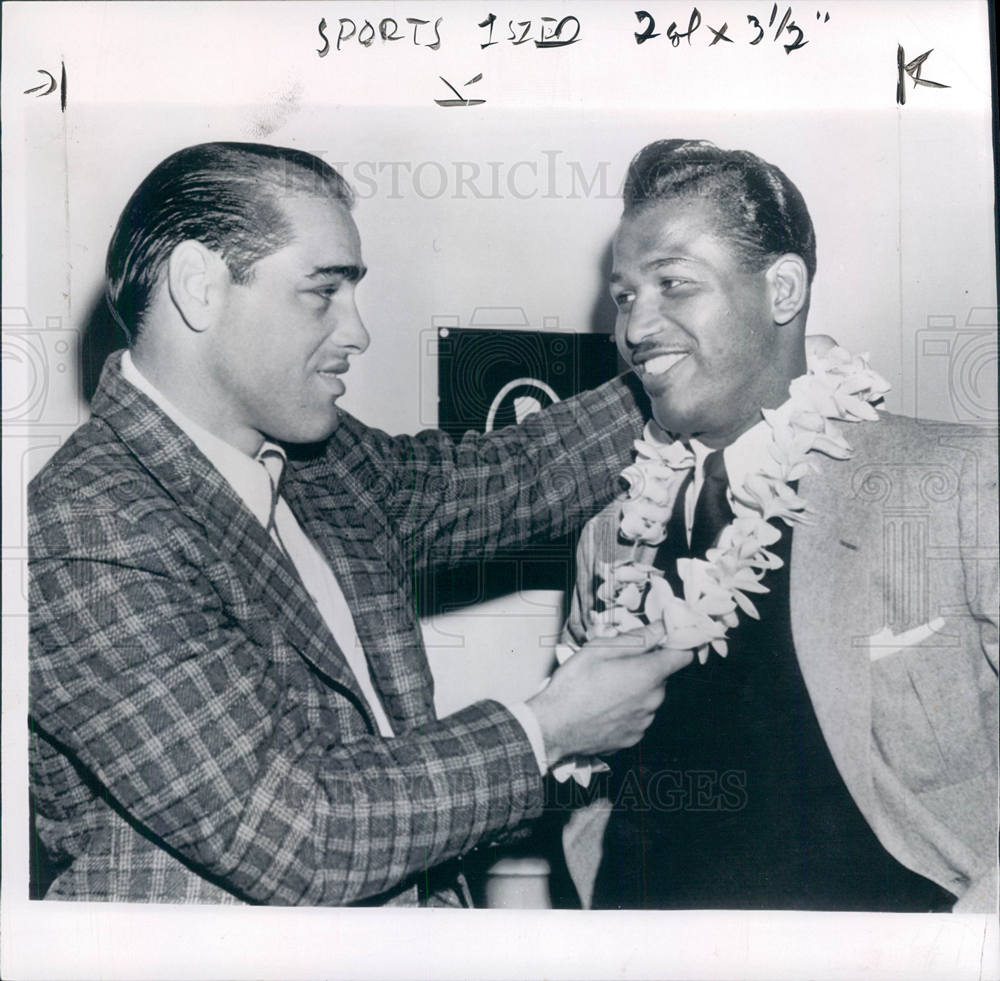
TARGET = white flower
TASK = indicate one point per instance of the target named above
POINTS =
(628, 571)
(675, 455)
(687, 627)
(814, 393)
(630, 597)
(771, 498)
(702, 590)
(611, 622)
(841, 386)
(657, 598)
(622, 587)
(833, 444)
(858, 378)
(747, 535)
(652, 480)
(644, 522)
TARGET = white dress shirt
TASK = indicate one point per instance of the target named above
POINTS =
(251, 477)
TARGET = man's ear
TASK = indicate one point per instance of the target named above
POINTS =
(197, 279)
(788, 280)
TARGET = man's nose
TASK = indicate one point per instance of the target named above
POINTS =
(643, 320)
(350, 332)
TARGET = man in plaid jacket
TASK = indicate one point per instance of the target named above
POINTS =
(230, 700)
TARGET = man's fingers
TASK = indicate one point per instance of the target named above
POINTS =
(662, 662)
(636, 641)
(648, 640)
(671, 659)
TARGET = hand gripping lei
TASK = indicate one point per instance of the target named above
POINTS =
(838, 387)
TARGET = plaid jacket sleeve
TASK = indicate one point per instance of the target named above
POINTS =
(450, 501)
(158, 679)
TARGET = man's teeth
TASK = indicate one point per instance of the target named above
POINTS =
(661, 363)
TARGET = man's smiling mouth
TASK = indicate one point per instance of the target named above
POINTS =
(660, 364)
(331, 375)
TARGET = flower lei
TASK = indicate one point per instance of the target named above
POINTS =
(838, 386)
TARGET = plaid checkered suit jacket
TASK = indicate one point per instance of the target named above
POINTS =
(196, 734)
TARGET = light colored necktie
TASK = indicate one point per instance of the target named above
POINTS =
(274, 465)
(320, 583)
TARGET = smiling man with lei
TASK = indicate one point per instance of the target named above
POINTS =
(831, 743)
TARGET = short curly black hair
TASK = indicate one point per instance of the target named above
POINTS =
(225, 195)
(761, 212)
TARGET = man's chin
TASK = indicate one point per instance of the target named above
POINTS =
(709, 430)
(677, 422)
(688, 423)
(310, 431)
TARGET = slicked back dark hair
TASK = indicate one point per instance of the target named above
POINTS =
(760, 211)
(224, 195)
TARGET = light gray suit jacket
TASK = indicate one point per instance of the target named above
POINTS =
(905, 533)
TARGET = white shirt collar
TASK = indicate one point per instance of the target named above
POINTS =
(743, 456)
(242, 472)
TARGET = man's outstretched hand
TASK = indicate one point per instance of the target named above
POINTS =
(605, 696)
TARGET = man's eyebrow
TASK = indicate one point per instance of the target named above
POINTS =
(653, 265)
(352, 274)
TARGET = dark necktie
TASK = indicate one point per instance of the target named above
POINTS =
(675, 546)
(712, 512)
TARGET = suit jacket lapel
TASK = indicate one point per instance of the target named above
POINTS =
(361, 556)
(830, 563)
(206, 498)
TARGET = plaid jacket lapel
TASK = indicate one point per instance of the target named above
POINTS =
(366, 560)
(207, 499)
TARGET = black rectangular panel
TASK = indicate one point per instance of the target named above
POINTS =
(488, 379)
